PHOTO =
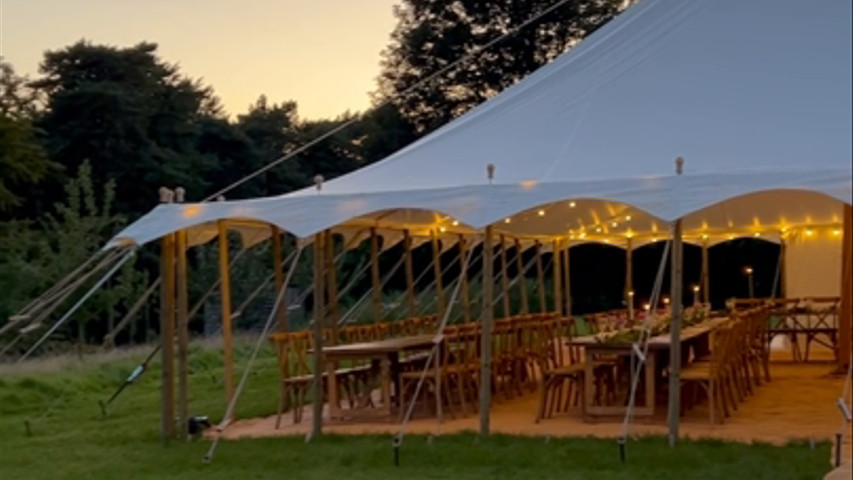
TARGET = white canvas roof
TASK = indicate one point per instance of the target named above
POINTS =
(754, 94)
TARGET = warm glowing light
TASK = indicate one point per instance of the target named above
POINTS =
(836, 232)
(809, 232)
(647, 307)
(748, 270)
(606, 240)
(191, 211)
(631, 293)
(541, 213)
(627, 218)
(704, 236)
(695, 288)
(442, 229)
(731, 237)
(572, 204)
(615, 224)
(666, 300)
(455, 223)
(654, 239)
(756, 234)
(598, 230)
(629, 234)
(507, 220)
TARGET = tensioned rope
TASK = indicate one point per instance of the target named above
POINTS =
(61, 295)
(397, 440)
(36, 322)
(80, 302)
(465, 58)
(641, 348)
(229, 410)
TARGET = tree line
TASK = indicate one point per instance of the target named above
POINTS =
(85, 145)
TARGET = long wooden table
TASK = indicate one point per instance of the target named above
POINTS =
(696, 337)
(386, 352)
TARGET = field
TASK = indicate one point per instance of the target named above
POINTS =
(68, 438)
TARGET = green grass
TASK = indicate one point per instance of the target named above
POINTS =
(72, 440)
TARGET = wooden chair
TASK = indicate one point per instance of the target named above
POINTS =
(711, 376)
(562, 370)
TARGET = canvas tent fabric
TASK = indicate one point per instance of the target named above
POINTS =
(754, 94)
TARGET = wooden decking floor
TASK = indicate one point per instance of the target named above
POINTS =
(798, 404)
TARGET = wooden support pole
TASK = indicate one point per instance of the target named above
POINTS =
(410, 274)
(706, 274)
(225, 304)
(783, 252)
(676, 279)
(629, 277)
(567, 282)
(466, 294)
(277, 259)
(319, 315)
(540, 278)
(504, 279)
(486, 331)
(167, 335)
(332, 285)
(374, 275)
(557, 274)
(845, 314)
(183, 336)
(522, 279)
(436, 266)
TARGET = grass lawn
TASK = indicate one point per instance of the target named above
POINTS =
(71, 440)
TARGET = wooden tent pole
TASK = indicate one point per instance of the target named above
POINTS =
(277, 259)
(332, 285)
(706, 274)
(374, 275)
(410, 275)
(540, 277)
(183, 336)
(504, 279)
(225, 304)
(436, 265)
(676, 279)
(319, 315)
(466, 297)
(557, 273)
(486, 332)
(567, 282)
(522, 281)
(845, 318)
(167, 335)
(783, 252)
(629, 277)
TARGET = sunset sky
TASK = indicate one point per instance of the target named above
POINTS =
(322, 53)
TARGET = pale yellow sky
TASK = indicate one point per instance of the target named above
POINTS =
(322, 53)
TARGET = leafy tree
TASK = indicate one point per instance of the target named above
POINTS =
(431, 34)
(32, 257)
(135, 117)
(22, 160)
